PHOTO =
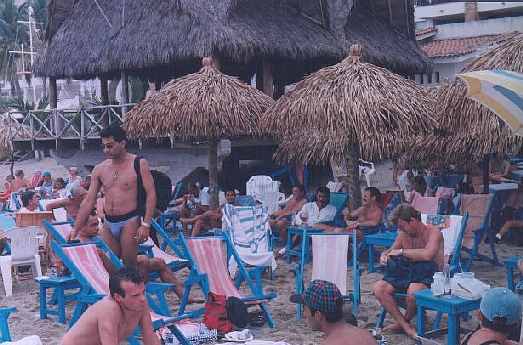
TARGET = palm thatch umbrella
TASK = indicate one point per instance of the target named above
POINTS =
(342, 110)
(466, 129)
(205, 105)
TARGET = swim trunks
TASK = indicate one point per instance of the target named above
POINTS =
(116, 223)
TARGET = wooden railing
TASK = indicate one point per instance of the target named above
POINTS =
(55, 124)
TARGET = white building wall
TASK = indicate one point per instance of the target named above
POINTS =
(480, 27)
(457, 8)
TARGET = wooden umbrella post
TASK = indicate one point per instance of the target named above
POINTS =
(353, 175)
(213, 172)
(486, 173)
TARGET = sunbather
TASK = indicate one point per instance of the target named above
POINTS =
(418, 244)
(113, 319)
(30, 200)
(323, 309)
(281, 219)
(365, 218)
(513, 213)
(20, 183)
(499, 314)
(209, 219)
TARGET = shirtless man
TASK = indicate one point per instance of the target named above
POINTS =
(417, 242)
(281, 219)
(369, 215)
(126, 223)
(113, 319)
(71, 204)
(20, 182)
(323, 310)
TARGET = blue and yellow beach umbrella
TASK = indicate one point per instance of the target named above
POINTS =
(501, 91)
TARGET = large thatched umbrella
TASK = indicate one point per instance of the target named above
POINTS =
(340, 111)
(206, 105)
(468, 130)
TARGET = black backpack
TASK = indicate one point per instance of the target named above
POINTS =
(162, 186)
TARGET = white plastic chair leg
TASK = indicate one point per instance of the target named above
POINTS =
(37, 266)
(5, 267)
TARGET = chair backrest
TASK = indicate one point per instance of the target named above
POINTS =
(451, 227)
(60, 214)
(445, 192)
(479, 208)
(15, 202)
(209, 257)
(339, 200)
(248, 226)
(59, 231)
(324, 249)
(245, 200)
(426, 204)
(86, 265)
(7, 222)
(24, 243)
(178, 245)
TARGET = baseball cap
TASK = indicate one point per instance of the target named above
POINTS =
(501, 303)
(320, 295)
(46, 173)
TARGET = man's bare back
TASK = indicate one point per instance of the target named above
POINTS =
(119, 183)
(104, 319)
(346, 335)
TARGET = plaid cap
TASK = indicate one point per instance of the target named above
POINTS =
(320, 295)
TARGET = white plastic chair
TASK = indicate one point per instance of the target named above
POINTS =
(24, 251)
(367, 170)
(265, 190)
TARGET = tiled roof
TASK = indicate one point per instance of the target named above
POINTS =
(426, 31)
(457, 46)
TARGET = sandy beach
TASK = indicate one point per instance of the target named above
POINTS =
(26, 320)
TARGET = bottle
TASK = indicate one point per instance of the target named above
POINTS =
(446, 284)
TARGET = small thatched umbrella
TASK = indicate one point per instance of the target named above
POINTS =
(344, 109)
(206, 105)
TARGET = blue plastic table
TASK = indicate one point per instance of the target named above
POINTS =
(382, 239)
(511, 264)
(517, 174)
(451, 305)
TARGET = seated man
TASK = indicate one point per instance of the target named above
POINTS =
(71, 203)
(46, 185)
(146, 264)
(281, 219)
(30, 201)
(189, 206)
(368, 216)
(318, 213)
(114, 318)
(20, 183)
(210, 219)
(512, 212)
(499, 314)
(58, 188)
(323, 310)
(416, 242)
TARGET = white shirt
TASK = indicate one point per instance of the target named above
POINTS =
(315, 215)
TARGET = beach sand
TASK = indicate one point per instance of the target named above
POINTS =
(26, 320)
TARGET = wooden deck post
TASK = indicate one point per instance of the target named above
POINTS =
(53, 104)
(125, 92)
(104, 94)
(265, 79)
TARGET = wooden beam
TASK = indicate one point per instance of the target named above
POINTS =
(407, 16)
(268, 79)
(53, 93)
(389, 4)
(125, 91)
(104, 91)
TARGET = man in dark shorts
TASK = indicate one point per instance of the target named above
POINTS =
(417, 243)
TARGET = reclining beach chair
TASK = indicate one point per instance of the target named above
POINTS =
(5, 335)
(209, 257)
(248, 228)
(479, 208)
(84, 262)
(329, 263)
(453, 229)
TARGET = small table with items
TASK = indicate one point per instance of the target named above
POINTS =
(511, 264)
(382, 239)
(451, 305)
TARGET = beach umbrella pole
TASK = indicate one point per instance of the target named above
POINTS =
(486, 174)
(213, 172)
(353, 175)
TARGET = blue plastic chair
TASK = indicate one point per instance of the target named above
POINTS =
(5, 335)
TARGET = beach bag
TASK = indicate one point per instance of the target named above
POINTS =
(237, 312)
(216, 316)
(162, 186)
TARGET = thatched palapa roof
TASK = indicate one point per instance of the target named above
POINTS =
(345, 104)
(203, 105)
(149, 37)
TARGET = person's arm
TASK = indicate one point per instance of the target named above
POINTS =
(56, 204)
(87, 205)
(424, 254)
(396, 246)
(150, 201)
(148, 335)
(108, 326)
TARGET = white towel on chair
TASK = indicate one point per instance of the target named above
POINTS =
(330, 259)
(30, 340)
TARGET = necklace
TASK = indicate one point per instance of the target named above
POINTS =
(115, 175)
